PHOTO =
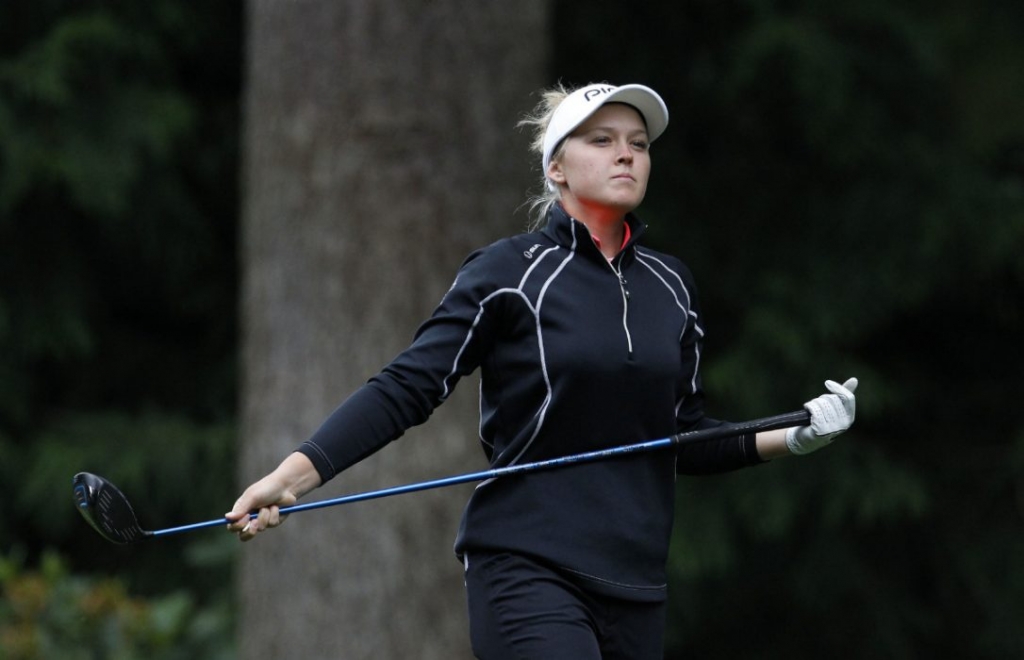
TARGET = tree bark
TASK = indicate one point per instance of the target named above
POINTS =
(379, 149)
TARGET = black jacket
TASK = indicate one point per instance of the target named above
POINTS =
(576, 354)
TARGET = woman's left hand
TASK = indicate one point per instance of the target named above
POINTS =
(831, 414)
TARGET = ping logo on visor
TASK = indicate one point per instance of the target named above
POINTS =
(596, 91)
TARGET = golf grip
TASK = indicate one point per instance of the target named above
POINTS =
(796, 418)
(786, 420)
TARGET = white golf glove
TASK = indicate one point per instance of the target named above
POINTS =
(831, 414)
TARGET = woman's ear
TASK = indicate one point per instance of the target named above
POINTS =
(555, 172)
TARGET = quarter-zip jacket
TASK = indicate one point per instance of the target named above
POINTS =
(576, 353)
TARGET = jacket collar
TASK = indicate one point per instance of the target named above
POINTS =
(566, 231)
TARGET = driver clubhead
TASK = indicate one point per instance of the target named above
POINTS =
(107, 509)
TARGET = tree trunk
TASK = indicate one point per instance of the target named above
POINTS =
(379, 150)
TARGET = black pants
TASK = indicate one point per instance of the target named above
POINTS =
(522, 610)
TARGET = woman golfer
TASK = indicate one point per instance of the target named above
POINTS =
(585, 340)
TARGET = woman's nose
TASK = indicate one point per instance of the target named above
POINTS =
(625, 154)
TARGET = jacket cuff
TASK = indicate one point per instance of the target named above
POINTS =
(749, 443)
(319, 460)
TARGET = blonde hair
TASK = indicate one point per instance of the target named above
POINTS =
(537, 122)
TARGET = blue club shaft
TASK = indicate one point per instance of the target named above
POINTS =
(797, 418)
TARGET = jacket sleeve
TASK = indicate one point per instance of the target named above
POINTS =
(722, 455)
(404, 394)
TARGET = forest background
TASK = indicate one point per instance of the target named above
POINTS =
(846, 181)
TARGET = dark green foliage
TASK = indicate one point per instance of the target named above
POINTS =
(50, 613)
(119, 129)
(118, 149)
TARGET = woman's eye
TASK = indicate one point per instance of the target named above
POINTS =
(640, 144)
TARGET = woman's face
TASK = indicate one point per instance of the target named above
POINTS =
(605, 163)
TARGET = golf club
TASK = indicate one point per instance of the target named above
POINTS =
(107, 509)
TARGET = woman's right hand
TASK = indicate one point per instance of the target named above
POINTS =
(295, 477)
